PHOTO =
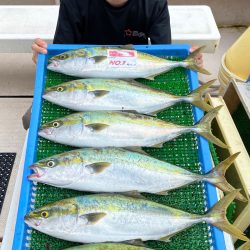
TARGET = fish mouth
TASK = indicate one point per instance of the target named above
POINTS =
(53, 64)
(32, 222)
(38, 173)
(45, 132)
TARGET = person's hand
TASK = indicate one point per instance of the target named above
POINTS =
(38, 46)
(199, 57)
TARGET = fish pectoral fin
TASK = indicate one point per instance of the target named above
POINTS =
(97, 126)
(98, 167)
(99, 93)
(160, 145)
(93, 217)
(98, 59)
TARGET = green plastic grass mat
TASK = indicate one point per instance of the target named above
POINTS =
(182, 151)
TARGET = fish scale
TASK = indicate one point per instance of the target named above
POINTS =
(181, 151)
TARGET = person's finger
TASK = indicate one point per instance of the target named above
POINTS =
(193, 48)
(41, 43)
(34, 57)
(38, 49)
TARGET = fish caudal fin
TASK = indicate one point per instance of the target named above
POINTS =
(204, 127)
(217, 216)
(192, 64)
(217, 177)
(195, 97)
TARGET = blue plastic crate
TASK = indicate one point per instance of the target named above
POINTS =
(25, 196)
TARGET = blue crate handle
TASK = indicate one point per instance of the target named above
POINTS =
(25, 195)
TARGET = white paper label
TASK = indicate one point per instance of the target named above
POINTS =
(122, 58)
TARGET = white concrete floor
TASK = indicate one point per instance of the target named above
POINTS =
(17, 80)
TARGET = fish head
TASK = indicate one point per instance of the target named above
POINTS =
(73, 61)
(66, 93)
(59, 170)
(63, 130)
(54, 217)
(68, 60)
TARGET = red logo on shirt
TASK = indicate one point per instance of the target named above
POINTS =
(134, 33)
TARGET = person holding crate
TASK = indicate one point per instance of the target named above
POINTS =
(109, 22)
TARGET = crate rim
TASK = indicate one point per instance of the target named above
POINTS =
(24, 199)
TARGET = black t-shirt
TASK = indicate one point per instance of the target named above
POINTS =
(97, 22)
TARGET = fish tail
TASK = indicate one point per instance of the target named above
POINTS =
(195, 97)
(217, 176)
(204, 127)
(192, 64)
(217, 216)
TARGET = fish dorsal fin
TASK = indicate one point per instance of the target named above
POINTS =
(133, 194)
(151, 78)
(97, 126)
(163, 193)
(98, 59)
(92, 218)
(99, 93)
(137, 150)
(127, 46)
(160, 145)
(98, 167)
(136, 242)
(165, 238)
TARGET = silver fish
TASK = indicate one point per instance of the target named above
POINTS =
(120, 129)
(117, 218)
(120, 170)
(101, 62)
(108, 246)
(109, 94)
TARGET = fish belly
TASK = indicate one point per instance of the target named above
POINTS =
(122, 226)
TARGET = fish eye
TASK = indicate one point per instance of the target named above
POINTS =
(50, 164)
(60, 89)
(63, 57)
(56, 124)
(44, 214)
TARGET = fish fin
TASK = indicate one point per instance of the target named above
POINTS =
(163, 193)
(93, 217)
(134, 194)
(99, 59)
(217, 176)
(195, 97)
(98, 167)
(160, 145)
(97, 126)
(127, 47)
(99, 93)
(136, 242)
(151, 78)
(166, 238)
(217, 216)
(137, 113)
(192, 64)
(136, 150)
(131, 111)
(204, 127)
